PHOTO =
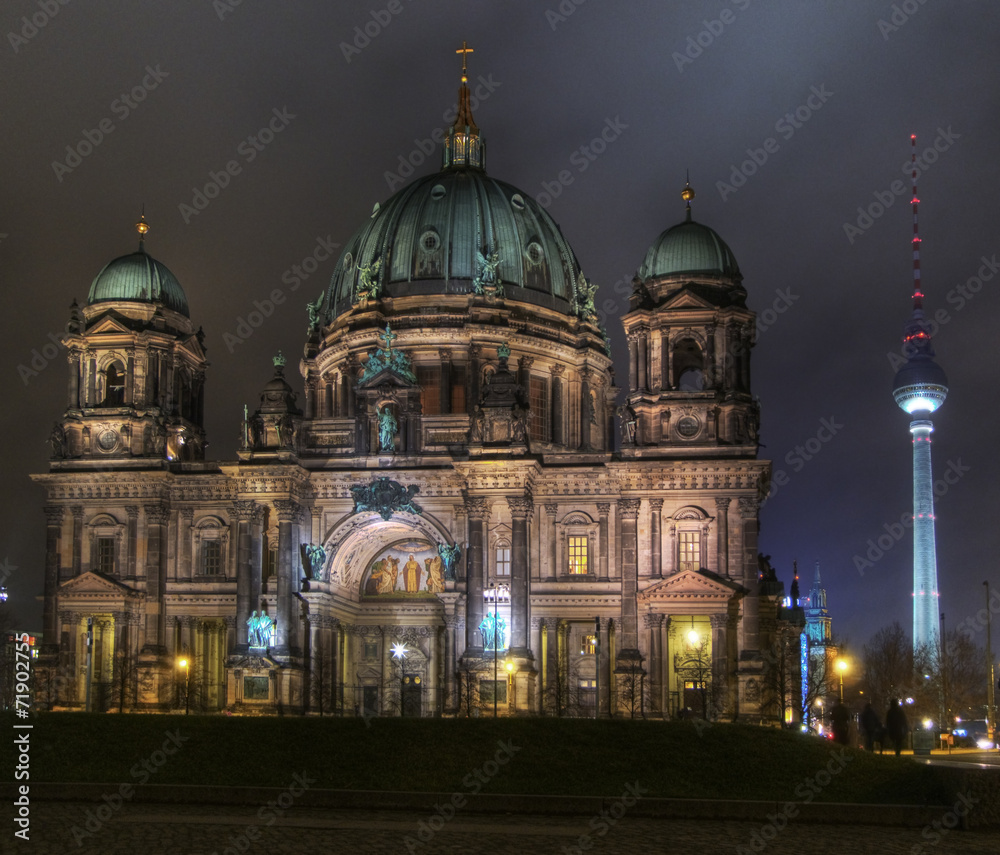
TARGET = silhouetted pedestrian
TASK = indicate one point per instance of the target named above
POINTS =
(871, 726)
(896, 725)
(840, 718)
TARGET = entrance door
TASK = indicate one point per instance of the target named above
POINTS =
(694, 696)
(370, 700)
(412, 690)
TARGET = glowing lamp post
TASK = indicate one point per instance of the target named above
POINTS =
(841, 667)
(399, 652)
(186, 665)
(510, 683)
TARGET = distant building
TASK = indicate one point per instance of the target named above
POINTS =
(445, 524)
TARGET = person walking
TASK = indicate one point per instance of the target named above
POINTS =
(840, 718)
(870, 726)
(896, 725)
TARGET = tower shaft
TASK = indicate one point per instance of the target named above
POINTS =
(926, 633)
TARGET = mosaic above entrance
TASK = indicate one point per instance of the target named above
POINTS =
(411, 568)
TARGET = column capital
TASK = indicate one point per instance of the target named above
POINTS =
(477, 509)
(475, 350)
(629, 508)
(656, 505)
(558, 371)
(245, 509)
(749, 507)
(604, 508)
(460, 510)
(187, 515)
(719, 621)
(520, 506)
(315, 512)
(54, 515)
(525, 362)
(287, 510)
(551, 508)
(77, 511)
(722, 503)
(444, 354)
(653, 621)
(132, 511)
(156, 514)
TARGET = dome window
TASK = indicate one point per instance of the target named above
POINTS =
(534, 253)
(517, 202)
(348, 261)
(438, 192)
(430, 241)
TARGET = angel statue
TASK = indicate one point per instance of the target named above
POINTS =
(486, 272)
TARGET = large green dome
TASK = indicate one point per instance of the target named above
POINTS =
(138, 277)
(690, 248)
(430, 237)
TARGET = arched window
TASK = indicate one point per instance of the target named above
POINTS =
(689, 366)
(114, 385)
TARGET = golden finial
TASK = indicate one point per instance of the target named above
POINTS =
(687, 194)
(142, 227)
(465, 50)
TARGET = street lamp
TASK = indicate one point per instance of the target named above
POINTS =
(510, 682)
(186, 665)
(399, 652)
(841, 667)
(991, 723)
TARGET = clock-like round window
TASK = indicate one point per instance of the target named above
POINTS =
(688, 427)
(107, 440)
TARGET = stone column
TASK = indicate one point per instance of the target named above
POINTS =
(537, 629)
(551, 508)
(475, 352)
(73, 394)
(585, 408)
(77, 511)
(450, 626)
(185, 531)
(720, 656)
(132, 540)
(643, 359)
(603, 508)
(722, 532)
(287, 512)
(130, 378)
(316, 521)
(671, 562)
(629, 511)
(444, 354)
(156, 569)
(633, 362)
(53, 535)
(751, 602)
(710, 370)
(524, 372)
(656, 538)
(654, 664)
(665, 665)
(91, 380)
(248, 515)
(478, 512)
(520, 511)
(337, 671)
(558, 423)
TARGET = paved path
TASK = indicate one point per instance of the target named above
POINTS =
(151, 829)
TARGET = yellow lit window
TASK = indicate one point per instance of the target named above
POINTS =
(689, 550)
(578, 555)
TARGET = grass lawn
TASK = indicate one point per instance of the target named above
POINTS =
(572, 757)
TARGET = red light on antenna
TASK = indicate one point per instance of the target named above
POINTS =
(913, 136)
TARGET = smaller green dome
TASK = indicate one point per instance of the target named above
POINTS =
(140, 278)
(689, 247)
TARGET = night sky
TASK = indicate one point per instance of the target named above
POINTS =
(822, 95)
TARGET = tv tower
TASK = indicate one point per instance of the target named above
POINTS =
(920, 388)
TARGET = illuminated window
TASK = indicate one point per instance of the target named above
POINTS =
(503, 560)
(538, 421)
(588, 694)
(429, 378)
(688, 550)
(105, 555)
(211, 558)
(589, 646)
(578, 555)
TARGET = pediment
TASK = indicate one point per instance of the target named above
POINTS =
(94, 584)
(684, 299)
(386, 377)
(193, 348)
(692, 585)
(108, 324)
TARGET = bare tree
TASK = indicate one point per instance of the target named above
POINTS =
(631, 679)
(888, 665)
(781, 679)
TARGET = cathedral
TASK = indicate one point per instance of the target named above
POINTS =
(457, 518)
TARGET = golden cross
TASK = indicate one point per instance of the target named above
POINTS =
(464, 50)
